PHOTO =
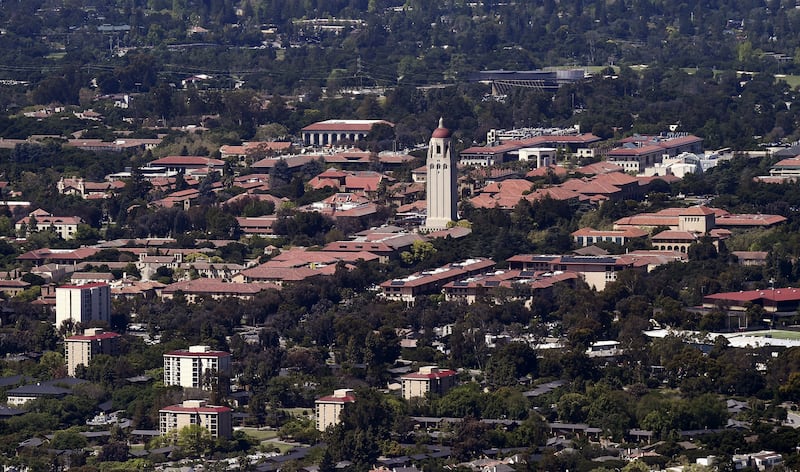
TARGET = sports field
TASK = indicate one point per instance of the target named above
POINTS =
(775, 333)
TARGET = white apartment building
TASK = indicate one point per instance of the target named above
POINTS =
(83, 303)
(196, 367)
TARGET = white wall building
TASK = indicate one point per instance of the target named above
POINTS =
(542, 156)
(83, 303)
(196, 367)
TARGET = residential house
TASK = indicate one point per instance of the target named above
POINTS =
(58, 388)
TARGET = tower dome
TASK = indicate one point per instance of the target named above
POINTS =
(441, 131)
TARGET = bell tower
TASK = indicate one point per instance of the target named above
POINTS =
(441, 199)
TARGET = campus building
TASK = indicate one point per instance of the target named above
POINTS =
(328, 132)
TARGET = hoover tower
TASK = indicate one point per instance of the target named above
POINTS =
(442, 199)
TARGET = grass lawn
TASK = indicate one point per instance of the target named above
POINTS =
(776, 333)
(260, 434)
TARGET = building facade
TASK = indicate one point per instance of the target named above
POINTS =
(216, 419)
(83, 303)
(80, 349)
(429, 379)
(328, 410)
(197, 367)
(442, 199)
(328, 132)
(64, 226)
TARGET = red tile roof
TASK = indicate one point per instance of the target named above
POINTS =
(187, 161)
(94, 337)
(433, 375)
(345, 125)
(189, 409)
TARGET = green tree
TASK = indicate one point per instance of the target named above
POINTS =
(194, 440)
(68, 440)
(510, 362)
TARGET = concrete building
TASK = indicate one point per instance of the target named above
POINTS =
(196, 367)
(328, 132)
(329, 409)
(442, 199)
(83, 303)
(543, 156)
(428, 379)
(80, 349)
(216, 419)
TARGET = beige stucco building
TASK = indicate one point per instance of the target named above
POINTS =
(216, 419)
(329, 409)
(428, 379)
(80, 349)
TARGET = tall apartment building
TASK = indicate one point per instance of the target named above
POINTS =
(329, 409)
(216, 419)
(428, 379)
(80, 349)
(83, 303)
(197, 367)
